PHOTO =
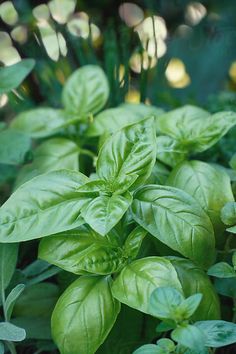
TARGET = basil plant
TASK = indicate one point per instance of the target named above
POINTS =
(118, 197)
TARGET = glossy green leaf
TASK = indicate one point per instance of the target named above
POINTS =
(12, 76)
(149, 349)
(194, 127)
(8, 260)
(211, 188)
(170, 151)
(164, 302)
(10, 332)
(218, 333)
(14, 146)
(191, 337)
(177, 220)
(43, 122)
(45, 205)
(11, 299)
(126, 158)
(134, 241)
(104, 212)
(113, 119)
(86, 91)
(84, 315)
(82, 250)
(139, 279)
(194, 280)
(36, 301)
(221, 270)
(51, 155)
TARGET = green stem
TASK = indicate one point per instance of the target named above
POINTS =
(11, 347)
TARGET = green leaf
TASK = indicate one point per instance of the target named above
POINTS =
(194, 128)
(138, 280)
(170, 151)
(84, 315)
(86, 91)
(51, 155)
(218, 333)
(2, 348)
(221, 270)
(149, 349)
(104, 212)
(159, 174)
(166, 344)
(43, 122)
(228, 216)
(45, 205)
(192, 280)
(176, 219)
(134, 241)
(12, 333)
(82, 250)
(188, 307)
(12, 76)
(113, 119)
(164, 302)
(8, 260)
(126, 159)
(35, 327)
(11, 299)
(234, 260)
(37, 300)
(39, 271)
(209, 186)
(191, 337)
(13, 147)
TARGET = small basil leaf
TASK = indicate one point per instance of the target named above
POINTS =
(84, 315)
(170, 151)
(10, 332)
(194, 279)
(104, 212)
(8, 260)
(211, 188)
(166, 344)
(164, 302)
(11, 299)
(134, 241)
(42, 122)
(177, 220)
(218, 333)
(126, 158)
(149, 349)
(191, 337)
(221, 270)
(136, 282)
(13, 153)
(86, 91)
(188, 306)
(51, 155)
(82, 250)
(12, 76)
(52, 196)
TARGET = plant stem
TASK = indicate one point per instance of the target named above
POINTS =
(11, 347)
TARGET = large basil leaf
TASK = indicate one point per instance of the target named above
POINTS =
(176, 219)
(113, 119)
(86, 91)
(14, 146)
(218, 333)
(42, 122)
(104, 212)
(84, 315)
(45, 205)
(82, 250)
(194, 127)
(138, 280)
(12, 76)
(210, 186)
(128, 156)
(170, 151)
(8, 260)
(228, 216)
(51, 155)
(194, 280)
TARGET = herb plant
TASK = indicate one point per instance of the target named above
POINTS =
(125, 212)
